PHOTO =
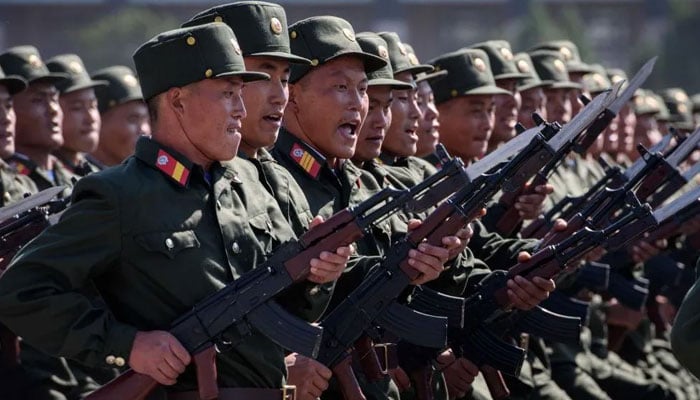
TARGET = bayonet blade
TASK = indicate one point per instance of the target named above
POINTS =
(583, 119)
(634, 84)
(667, 211)
(30, 202)
(502, 153)
(692, 172)
(682, 151)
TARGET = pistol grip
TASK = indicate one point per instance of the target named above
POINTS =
(205, 364)
(347, 380)
(494, 380)
(129, 385)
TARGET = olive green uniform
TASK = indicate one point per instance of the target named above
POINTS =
(59, 175)
(13, 186)
(189, 239)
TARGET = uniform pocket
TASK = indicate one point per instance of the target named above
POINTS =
(168, 243)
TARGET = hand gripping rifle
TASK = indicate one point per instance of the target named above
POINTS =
(20, 223)
(510, 220)
(247, 301)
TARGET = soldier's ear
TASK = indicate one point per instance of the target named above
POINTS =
(292, 103)
(173, 98)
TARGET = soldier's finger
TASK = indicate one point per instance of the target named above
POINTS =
(180, 352)
(451, 242)
(161, 378)
(319, 383)
(323, 371)
(175, 363)
(545, 284)
(531, 199)
(519, 296)
(544, 189)
(440, 253)
(470, 366)
(345, 251)
(167, 371)
(533, 290)
(424, 263)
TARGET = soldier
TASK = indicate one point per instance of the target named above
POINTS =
(695, 99)
(13, 186)
(646, 132)
(81, 119)
(684, 331)
(167, 258)
(123, 113)
(532, 95)
(506, 76)
(265, 48)
(550, 67)
(680, 109)
(626, 121)
(39, 118)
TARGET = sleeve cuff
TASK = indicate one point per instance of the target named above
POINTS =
(118, 344)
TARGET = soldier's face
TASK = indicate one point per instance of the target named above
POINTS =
(211, 114)
(428, 125)
(646, 131)
(327, 106)
(558, 105)
(574, 94)
(465, 125)
(369, 142)
(533, 100)
(628, 121)
(81, 120)
(122, 125)
(402, 137)
(7, 123)
(506, 112)
(265, 102)
(39, 117)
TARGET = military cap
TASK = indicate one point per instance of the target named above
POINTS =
(469, 74)
(401, 59)
(550, 67)
(679, 106)
(25, 61)
(72, 66)
(523, 63)
(569, 52)
(663, 115)
(384, 76)
(122, 87)
(695, 99)
(501, 59)
(261, 25)
(646, 103)
(324, 38)
(13, 83)
(597, 80)
(187, 55)
(422, 76)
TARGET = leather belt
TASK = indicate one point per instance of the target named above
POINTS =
(286, 393)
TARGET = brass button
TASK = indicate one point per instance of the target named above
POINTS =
(218, 19)
(293, 35)
(110, 359)
(119, 362)
(236, 248)
(314, 62)
(169, 243)
(208, 73)
(191, 41)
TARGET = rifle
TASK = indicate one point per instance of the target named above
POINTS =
(548, 160)
(247, 301)
(20, 223)
(510, 220)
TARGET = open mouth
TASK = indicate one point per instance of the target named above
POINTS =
(275, 118)
(348, 130)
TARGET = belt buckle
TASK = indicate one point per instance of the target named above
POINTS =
(289, 392)
(385, 351)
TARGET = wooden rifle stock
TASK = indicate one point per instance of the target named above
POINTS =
(347, 381)
(364, 351)
(509, 221)
(494, 380)
(422, 383)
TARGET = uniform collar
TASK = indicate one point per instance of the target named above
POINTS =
(22, 164)
(168, 161)
(303, 155)
(434, 160)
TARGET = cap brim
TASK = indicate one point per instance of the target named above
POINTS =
(395, 84)
(285, 56)
(246, 76)
(431, 76)
(372, 62)
(578, 67)
(14, 85)
(541, 84)
(416, 69)
(85, 85)
(511, 75)
(487, 90)
(565, 85)
(53, 78)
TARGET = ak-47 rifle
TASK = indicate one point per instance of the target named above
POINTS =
(510, 219)
(569, 206)
(374, 302)
(20, 223)
(248, 301)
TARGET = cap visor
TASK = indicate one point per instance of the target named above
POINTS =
(541, 84)
(285, 56)
(52, 78)
(578, 67)
(246, 76)
(14, 85)
(85, 85)
(486, 90)
(565, 85)
(431, 76)
(395, 84)
(416, 69)
(511, 75)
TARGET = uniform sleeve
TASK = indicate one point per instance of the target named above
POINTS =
(44, 293)
(685, 333)
(496, 251)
